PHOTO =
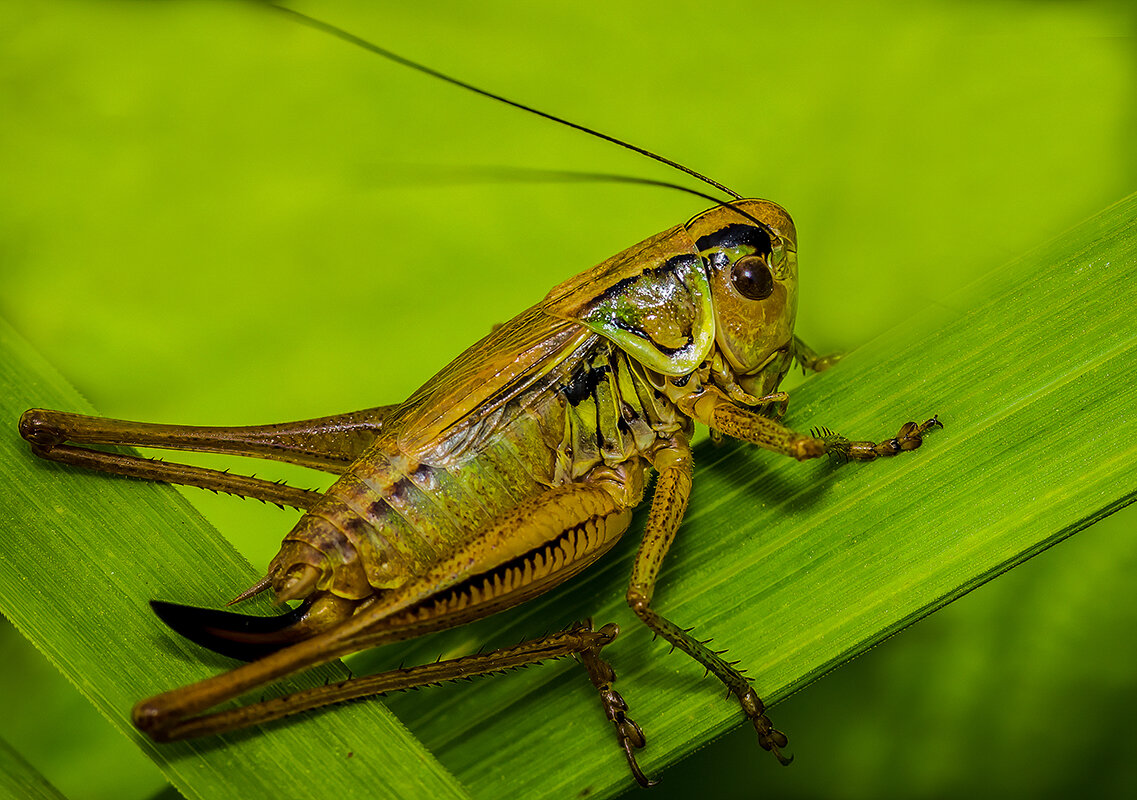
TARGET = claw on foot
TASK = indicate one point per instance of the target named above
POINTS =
(909, 437)
(629, 735)
(769, 738)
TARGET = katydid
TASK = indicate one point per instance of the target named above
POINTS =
(509, 472)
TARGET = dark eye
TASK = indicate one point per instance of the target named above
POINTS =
(752, 278)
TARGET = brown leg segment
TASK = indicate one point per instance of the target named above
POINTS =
(328, 443)
(580, 639)
(628, 733)
(672, 491)
(182, 474)
(810, 361)
(741, 423)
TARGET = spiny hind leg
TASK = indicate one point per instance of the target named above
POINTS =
(669, 502)
(150, 469)
(579, 640)
(327, 443)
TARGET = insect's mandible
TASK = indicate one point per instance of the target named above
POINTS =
(509, 472)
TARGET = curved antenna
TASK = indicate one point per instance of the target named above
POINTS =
(489, 174)
(572, 176)
(612, 177)
(351, 38)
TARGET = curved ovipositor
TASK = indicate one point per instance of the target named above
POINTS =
(242, 636)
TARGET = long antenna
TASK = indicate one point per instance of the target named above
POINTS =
(488, 174)
(339, 33)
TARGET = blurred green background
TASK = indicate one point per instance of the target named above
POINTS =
(210, 215)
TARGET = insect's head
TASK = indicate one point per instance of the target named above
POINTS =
(750, 250)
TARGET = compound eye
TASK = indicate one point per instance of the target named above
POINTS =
(752, 278)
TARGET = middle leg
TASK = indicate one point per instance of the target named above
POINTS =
(672, 491)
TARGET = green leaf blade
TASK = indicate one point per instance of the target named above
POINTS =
(19, 780)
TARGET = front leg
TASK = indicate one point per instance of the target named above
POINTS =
(810, 360)
(716, 410)
(669, 502)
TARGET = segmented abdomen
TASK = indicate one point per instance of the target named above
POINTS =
(391, 516)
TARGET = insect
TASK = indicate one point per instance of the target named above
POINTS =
(507, 474)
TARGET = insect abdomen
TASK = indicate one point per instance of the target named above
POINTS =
(391, 517)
